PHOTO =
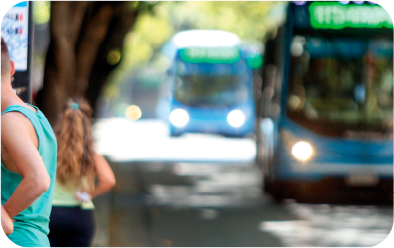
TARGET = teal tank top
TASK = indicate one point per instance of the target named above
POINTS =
(32, 225)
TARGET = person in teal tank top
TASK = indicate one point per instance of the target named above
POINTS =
(28, 163)
(72, 217)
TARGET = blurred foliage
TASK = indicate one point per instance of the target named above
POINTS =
(42, 9)
(158, 21)
(41, 12)
(249, 20)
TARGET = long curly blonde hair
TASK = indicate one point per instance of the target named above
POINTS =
(75, 159)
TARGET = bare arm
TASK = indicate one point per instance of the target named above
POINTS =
(16, 139)
(105, 176)
(6, 222)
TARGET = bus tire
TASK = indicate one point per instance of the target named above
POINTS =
(278, 198)
(273, 191)
(281, 191)
(266, 186)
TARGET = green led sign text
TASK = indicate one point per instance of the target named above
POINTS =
(210, 54)
(338, 16)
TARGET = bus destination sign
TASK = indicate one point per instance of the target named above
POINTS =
(225, 54)
(334, 15)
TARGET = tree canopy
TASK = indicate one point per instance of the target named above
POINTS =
(251, 21)
(95, 45)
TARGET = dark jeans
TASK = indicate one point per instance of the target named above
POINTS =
(71, 227)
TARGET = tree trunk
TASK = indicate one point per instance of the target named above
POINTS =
(82, 34)
(120, 26)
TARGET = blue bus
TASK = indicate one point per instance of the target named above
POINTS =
(211, 88)
(328, 104)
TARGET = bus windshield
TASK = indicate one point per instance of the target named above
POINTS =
(340, 85)
(211, 85)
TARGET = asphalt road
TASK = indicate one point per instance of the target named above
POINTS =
(204, 190)
(165, 204)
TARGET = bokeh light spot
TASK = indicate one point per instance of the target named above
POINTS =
(114, 56)
(133, 112)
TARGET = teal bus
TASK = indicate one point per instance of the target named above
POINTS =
(328, 104)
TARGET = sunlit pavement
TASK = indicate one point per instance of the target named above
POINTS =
(123, 140)
(331, 225)
(191, 202)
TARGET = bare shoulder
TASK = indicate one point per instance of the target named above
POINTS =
(12, 123)
(17, 125)
(13, 120)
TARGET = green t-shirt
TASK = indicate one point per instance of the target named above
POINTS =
(32, 225)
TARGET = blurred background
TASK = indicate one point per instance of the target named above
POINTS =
(229, 123)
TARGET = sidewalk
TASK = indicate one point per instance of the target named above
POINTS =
(102, 213)
(121, 217)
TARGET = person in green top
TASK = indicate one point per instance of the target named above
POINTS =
(72, 218)
(28, 164)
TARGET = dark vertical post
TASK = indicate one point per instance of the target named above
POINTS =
(29, 89)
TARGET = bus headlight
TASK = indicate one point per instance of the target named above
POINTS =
(179, 117)
(302, 150)
(236, 118)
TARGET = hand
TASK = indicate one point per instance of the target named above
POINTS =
(83, 196)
